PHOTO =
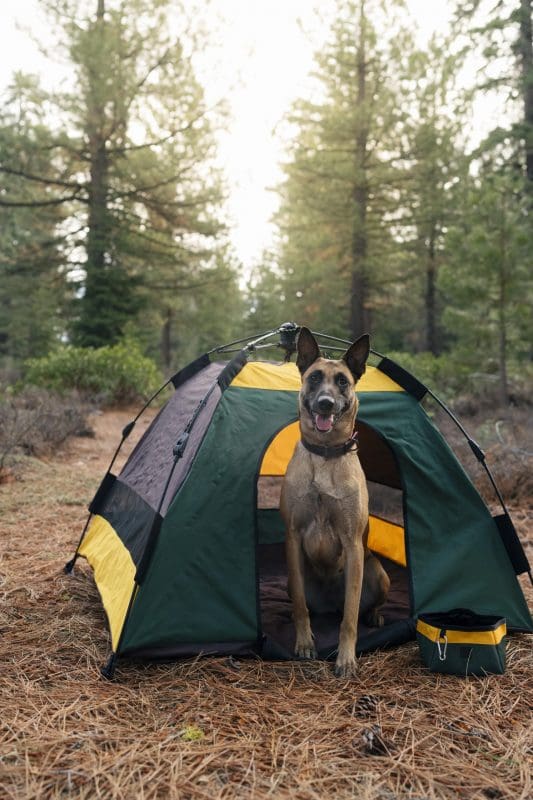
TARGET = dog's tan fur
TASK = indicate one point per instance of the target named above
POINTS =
(324, 504)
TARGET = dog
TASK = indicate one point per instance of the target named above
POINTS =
(324, 505)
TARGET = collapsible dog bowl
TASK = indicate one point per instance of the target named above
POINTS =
(460, 642)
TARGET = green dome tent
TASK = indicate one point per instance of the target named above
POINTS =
(186, 543)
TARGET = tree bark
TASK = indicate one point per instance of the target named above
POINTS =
(526, 56)
(99, 171)
(359, 312)
(502, 315)
(431, 343)
(89, 331)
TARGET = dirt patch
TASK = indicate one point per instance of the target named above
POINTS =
(221, 728)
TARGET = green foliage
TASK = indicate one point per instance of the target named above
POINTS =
(502, 34)
(487, 281)
(112, 222)
(116, 375)
(33, 292)
(339, 192)
(467, 380)
(123, 181)
(370, 184)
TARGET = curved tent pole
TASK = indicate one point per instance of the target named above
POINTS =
(507, 531)
(255, 337)
(108, 670)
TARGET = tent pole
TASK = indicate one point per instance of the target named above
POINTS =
(475, 448)
(481, 458)
(255, 337)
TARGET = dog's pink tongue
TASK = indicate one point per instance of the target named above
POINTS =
(323, 423)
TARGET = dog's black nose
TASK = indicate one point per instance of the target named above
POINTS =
(325, 404)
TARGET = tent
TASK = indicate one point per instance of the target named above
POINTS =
(186, 543)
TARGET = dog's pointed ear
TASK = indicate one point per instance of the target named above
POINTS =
(356, 355)
(307, 350)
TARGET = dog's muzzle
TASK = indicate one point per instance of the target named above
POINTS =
(323, 417)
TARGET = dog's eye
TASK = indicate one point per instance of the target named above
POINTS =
(342, 380)
(315, 378)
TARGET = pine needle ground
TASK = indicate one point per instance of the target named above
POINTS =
(221, 728)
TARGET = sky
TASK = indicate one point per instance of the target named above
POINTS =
(261, 64)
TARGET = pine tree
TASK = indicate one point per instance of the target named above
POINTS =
(434, 169)
(504, 32)
(487, 280)
(132, 162)
(33, 289)
(342, 184)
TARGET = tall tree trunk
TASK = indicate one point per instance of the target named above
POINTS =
(99, 170)
(431, 343)
(359, 312)
(91, 331)
(502, 311)
(97, 235)
(526, 57)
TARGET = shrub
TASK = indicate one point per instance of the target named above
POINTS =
(36, 422)
(445, 374)
(462, 384)
(113, 375)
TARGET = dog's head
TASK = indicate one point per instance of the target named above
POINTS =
(328, 403)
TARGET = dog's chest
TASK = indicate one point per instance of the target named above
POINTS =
(326, 500)
(331, 482)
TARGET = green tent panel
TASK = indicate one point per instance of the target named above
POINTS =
(187, 560)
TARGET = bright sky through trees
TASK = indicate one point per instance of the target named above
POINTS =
(262, 54)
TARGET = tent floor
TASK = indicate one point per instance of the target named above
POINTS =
(278, 627)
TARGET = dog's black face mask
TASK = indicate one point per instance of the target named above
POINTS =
(327, 395)
(328, 385)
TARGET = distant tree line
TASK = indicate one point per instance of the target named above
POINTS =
(395, 216)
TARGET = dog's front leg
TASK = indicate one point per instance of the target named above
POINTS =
(345, 665)
(304, 647)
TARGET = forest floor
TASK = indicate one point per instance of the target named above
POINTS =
(220, 728)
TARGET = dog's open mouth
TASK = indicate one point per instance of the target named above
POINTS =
(324, 423)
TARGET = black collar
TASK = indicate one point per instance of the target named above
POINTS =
(333, 451)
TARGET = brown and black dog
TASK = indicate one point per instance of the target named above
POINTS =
(324, 504)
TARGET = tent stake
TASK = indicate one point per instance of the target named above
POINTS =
(108, 670)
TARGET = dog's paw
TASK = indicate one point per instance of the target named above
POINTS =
(305, 649)
(374, 619)
(346, 668)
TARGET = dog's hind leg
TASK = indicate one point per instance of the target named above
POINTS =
(376, 585)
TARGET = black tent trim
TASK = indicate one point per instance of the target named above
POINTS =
(403, 378)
